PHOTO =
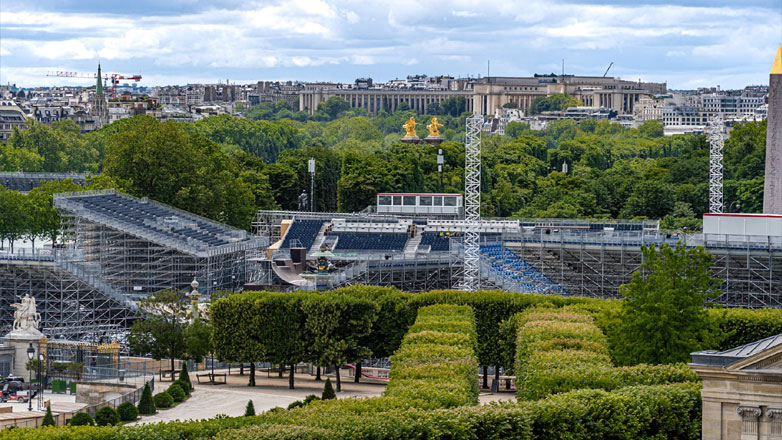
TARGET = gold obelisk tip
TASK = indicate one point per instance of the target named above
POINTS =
(776, 68)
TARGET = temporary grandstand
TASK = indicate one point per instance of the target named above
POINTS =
(135, 247)
(565, 257)
(116, 250)
(25, 182)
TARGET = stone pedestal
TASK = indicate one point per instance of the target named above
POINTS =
(20, 340)
(411, 139)
(433, 140)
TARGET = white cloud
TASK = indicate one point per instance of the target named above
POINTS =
(520, 36)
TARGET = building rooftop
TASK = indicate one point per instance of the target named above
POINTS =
(728, 357)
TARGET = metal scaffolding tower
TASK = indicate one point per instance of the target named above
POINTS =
(715, 167)
(472, 204)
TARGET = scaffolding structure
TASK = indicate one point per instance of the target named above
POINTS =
(70, 308)
(130, 263)
(716, 143)
(472, 204)
(595, 264)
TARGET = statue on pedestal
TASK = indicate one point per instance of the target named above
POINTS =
(433, 128)
(409, 127)
(26, 318)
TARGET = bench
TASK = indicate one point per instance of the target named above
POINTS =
(212, 378)
(168, 374)
(509, 380)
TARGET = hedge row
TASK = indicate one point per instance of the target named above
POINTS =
(436, 367)
(663, 411)
(560, 350)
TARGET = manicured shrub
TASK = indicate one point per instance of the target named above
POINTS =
(81, 419)
(127, 412)
(106, 416)
(185, 387)
(146, 405)
(176, 392)
(295, 404)
(328, 391)
(184, 378)
(48, 419)
(164, 400)
(249, 410)
(310, 398)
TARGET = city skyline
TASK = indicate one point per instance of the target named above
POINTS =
(686, 44)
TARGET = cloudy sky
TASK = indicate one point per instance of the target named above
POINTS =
(686, 43)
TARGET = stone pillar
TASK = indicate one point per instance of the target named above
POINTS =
(772, 191)
(20, 341)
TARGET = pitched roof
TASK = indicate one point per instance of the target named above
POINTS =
(728, 357)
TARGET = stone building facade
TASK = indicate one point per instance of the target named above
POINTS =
(742, 391)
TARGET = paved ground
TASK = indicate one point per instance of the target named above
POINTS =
(270, 391)
(209, 400)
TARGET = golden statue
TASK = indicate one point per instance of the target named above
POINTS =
(433, 128)
(409, 127)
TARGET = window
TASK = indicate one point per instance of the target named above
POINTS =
(398, 200)
(409, 200)
(425, 200)
(450, 201)
(438, 201)
(384, 200)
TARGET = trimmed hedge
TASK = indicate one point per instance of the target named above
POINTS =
(127, 412)
(435, 367)
(560, 351)
(81, 419)
(176, 392)
(164, 400)
(107, 416)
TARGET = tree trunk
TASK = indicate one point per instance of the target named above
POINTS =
(497, 375)
(172, 368)
(486, 377)
(317, 374)
(241, 369)
(290, 379)
(279, 370)
(358, 372)
(252, 375)
(339, 381)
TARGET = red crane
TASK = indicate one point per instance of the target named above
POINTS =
(113, 77)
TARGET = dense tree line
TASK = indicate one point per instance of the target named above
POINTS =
(226, 167)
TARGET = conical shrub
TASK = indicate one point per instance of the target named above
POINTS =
(250, 409)
(328, 391)
(146, 405)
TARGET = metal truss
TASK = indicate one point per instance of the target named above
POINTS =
(472, 204)
(591, 265)
(716, 142)
(69, 307)
(130, 268)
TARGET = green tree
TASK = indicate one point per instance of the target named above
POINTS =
(514, 129)
(146, 406)
(81, 419)
(249, 410)
(107, 416)
(164, 162)
(48, 419)
(651, 129)
(328, 391)
(333, 107)
(161, 331)
(454, 106)
(663, 314)
(15, 216)
(335, 326)
(184, 377)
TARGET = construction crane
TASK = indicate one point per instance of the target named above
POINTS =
(113, 77)
(609, 68)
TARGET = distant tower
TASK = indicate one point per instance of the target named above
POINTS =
(772, 193)
(98, 105)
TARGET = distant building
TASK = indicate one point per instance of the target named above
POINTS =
(99, 107)
(491, 93)
(10, 116)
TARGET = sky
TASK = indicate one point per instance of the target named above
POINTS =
(688, 44)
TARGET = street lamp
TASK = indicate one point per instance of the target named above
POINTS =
(311, 169)
(440, 162)
(41, 382)
(30, 356)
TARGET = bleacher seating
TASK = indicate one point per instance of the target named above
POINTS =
(156, 218)
(438, 243)
(506, 265)
(369, 241)
(305, 231)
(27, 182)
